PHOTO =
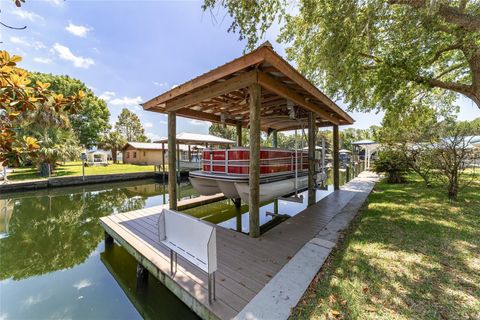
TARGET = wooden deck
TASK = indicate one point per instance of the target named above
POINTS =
(245, 265)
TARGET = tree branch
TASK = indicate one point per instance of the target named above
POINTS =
(457, 87)
(450, 14)
(440, 52)
(452, 68)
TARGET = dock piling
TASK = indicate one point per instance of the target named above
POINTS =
(108, 239)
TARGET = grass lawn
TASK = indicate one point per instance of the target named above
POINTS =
(411, 254)
(75, 169)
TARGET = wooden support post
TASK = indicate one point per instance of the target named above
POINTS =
(163, 162)
(108, 239)
(254, 174)
(239, 134)
(189, 154)
(142, 276)
(311, 159)
(178, 163)
(275, 139)
(237, 202)
(336, 159)
(172, 179)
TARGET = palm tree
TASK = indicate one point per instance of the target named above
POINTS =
(113, 141)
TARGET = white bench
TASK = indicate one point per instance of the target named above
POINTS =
(192, 239)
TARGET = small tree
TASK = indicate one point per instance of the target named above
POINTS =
(129, 125)
(113, 141)
(452, 151)
(390, 161)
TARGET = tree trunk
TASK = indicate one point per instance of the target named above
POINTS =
(44, 169)
(114, 155)
(453, 187)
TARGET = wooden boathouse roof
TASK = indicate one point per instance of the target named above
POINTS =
(221, 95)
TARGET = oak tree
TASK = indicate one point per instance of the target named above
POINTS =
(374, 53)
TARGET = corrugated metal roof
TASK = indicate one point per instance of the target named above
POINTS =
(189, 137)
(158, 146)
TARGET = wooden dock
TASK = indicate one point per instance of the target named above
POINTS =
(245, 264)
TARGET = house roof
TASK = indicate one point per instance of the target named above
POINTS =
(222, 95)
(157, 146)
(97, 152)
(189, 138)
(144, 145)
(363, 142)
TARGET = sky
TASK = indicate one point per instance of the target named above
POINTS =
(128, 52)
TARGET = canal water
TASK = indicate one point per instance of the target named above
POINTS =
(53, 262)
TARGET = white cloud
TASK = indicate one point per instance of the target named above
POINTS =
(174, 86)
(153, 136)
(37, 45)
(43, 60)
(107, 95)
(160, 84)
(78, 30)
(127, 102)
(82, 284)
(56, 2)
(196, 122)
(148, 125)
(20, 41)
(66, 54)
(27, 15)
(31, 300)
(3, 316)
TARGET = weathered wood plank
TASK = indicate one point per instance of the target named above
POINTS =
(245, 264)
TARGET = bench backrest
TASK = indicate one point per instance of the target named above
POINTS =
(190, 237)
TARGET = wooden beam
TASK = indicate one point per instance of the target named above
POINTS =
(239, 134)
(255, 57)
(199, 115)
(311, 159)
(217, 89)
(172, 175)
(254, 174)
(275, 139)
(284, 67)
(336, 159)
(276, 86)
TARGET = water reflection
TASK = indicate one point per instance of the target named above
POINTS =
(122, 267)
(50, 243)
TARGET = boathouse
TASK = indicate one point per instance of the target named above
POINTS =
(258, 91)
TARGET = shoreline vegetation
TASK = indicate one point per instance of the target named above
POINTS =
(73, 169)
(410, 253)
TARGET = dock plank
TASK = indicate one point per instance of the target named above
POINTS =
(245, 265)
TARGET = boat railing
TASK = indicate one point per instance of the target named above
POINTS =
(268, 165)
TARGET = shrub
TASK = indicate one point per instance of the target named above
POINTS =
(391, 162)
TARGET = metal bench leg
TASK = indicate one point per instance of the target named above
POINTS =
(209, 288)
(214, 291)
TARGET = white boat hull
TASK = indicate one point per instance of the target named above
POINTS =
(228, 189)
(205, 187)
(272, 190)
